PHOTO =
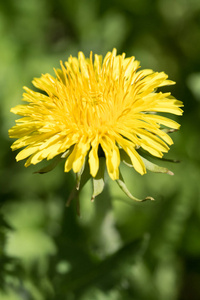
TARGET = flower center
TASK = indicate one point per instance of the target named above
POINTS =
(92, 98)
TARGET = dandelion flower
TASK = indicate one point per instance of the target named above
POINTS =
(96, 109)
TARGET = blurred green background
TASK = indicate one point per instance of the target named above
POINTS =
(116, 249)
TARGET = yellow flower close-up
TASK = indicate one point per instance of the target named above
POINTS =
(95, 107)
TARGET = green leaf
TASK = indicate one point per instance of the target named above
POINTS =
(124, 188)
(98, 181)
(128, 255)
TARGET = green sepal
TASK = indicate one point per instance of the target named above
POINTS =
(124, 188)
(54, 163)
(78, 176)
(149, 165)
(67, 152)
(168, 159)
(125, 158)
(143, 153)
(50, 167)
(82, 178)
(155, 168)
(98, 180)
(169, 130)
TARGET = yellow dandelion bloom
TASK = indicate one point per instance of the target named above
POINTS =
(95, 108)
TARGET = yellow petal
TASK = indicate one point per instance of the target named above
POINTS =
(83, 65)
(70, 160)
(81, 151)
(162, 120)
(136, 160)
(152, 140)
(93, 158)
(112, 157)
(26, 152)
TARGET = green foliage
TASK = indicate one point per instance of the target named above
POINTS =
(116, 249)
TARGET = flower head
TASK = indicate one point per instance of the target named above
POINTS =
(95, 108)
